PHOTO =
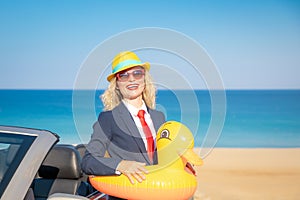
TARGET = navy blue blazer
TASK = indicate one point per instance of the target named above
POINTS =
(116, 133)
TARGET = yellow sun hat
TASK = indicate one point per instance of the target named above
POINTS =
(126, 60)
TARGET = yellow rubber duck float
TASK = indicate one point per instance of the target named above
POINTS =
(172, 178)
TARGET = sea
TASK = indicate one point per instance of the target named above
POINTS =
(231, 118)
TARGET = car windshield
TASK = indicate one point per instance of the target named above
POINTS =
(13, 147)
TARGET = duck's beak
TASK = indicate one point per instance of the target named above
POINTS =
(190, 158)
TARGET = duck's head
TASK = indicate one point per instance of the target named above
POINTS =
(174, 141)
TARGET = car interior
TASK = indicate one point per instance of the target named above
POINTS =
(61, 173)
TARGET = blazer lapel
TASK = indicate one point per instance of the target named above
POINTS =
(125, 122)
(154, 121)
(156, 125)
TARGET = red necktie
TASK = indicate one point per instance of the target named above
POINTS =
(147, 132)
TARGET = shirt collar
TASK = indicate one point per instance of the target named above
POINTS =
(133, 110)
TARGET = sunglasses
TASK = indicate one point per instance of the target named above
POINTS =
(124, 76)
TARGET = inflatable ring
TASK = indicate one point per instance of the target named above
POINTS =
(172, 178)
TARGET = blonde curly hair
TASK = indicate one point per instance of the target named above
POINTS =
(112, 96)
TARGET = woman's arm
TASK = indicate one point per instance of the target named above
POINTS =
(94, 161)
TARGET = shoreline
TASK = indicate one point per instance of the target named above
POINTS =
(249, 173)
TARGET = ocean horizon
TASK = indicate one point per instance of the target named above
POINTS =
(253, 118)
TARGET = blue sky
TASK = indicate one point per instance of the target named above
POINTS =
(254, 44)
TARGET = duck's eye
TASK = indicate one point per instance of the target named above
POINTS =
(165, 134)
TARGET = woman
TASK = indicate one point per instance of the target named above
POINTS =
(121, 131)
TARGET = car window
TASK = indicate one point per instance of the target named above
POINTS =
(13, 148)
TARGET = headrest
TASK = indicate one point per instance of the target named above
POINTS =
(63, 161)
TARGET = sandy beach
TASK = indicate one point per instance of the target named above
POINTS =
(249, 174)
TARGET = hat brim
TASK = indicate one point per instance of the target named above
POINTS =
(145, 65)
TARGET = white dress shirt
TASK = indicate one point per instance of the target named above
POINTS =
(134, 111)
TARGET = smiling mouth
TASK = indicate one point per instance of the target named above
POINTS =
(132, 86)
(189, 168)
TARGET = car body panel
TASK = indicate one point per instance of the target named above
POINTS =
(29, 163)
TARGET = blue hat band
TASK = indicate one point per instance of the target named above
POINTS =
(124, 64)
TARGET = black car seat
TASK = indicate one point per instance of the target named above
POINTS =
(60, 173)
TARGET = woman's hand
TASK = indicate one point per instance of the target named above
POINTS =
(133, 170)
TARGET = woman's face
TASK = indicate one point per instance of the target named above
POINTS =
(131, 82)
